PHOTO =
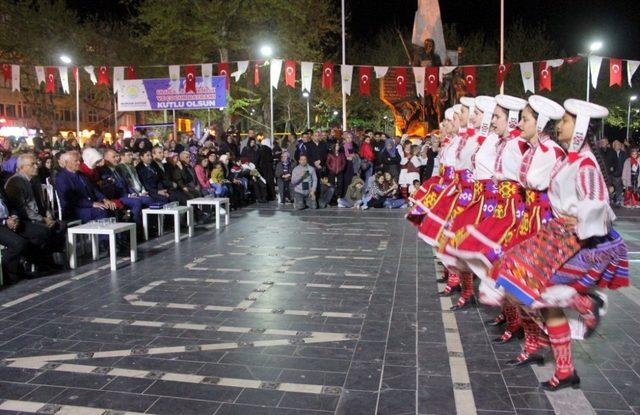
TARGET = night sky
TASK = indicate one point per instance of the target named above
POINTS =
(571, 22)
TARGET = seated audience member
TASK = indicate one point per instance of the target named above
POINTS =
(354, 198)
(154, 178)
(91, 163)
(218, 181)
(383, 193)
(114, 186)
(255, 179)
(44, 169)
(79, 199)
(304, 182)
(185, 177)
(128, 171)
(326, 192)
(25, 198)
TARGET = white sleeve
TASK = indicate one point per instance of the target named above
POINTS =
(538, 176)
(594, 213)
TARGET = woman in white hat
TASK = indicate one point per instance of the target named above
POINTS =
(543, 272)
(478, 156)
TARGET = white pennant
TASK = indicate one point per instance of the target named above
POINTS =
(92, 74)
(594, 69)
(64, 78)
(306, 75)
(207, 73)
(445, 70)
(118, 75)
(555, 63)
(15, 78)
(174, 76)
(40, 75)
(275, 67)
(242, 68)
(418, 74)
(526, 71)
(632, 67)
(346, 72)
(380, 71)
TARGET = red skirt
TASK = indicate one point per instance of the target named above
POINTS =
(484, 242)
(426, 193)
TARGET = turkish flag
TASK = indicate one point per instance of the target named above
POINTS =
(431, 80)
(401, 81)
(364, 75)
(190, 78)
(503, 70)
(327, 75)
(76, 77)
(103, 75)
(223, 70)
(544, 76)
(615, 72)
(130, 72)
(6, 71)
(256, 73)
(470, 79)
(290, 73)
(50, 86)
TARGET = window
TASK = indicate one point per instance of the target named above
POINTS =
(10, 110)
(26, 111)
(1, 109)
(93, 116)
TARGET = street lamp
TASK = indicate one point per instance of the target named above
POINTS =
(306, 95)
(335, 113)
(67, 60)
(593, 47)
(631, 99)
(266, 51)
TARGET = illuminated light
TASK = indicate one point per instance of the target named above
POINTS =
(266, 51)
(65, 59)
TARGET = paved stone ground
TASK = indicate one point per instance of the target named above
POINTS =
(314, 312)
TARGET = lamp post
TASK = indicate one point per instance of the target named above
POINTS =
(385, 118)
(67, 60)
(266, 51)
(593, 47)
(631, 99)
(308, 97)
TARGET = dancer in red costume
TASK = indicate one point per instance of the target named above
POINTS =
(574, 252)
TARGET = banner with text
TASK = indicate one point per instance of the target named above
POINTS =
(164, 94)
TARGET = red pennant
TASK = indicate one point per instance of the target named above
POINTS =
(431, 80)
(190, 78)
(503, 70)
(327, 75)
(50, 72)
(364, 75)
(130, 73)
(290, 73)
(470, 79)
(401, 81)
(573, 59)
(103, 75)
(544, 76)
(256, 73)
(6, 71)
(223, 70)
(76, 79)
(615, 72)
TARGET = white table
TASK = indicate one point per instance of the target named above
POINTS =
(94, 230)
(216, 202)
(176, 212)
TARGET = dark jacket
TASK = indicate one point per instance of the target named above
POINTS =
(151, 180)
(25, 198)
(112, 184)
(75, 191)
(317, 151)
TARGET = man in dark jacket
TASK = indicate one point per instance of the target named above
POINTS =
(265, 167)
(617, 157)
(153, 179)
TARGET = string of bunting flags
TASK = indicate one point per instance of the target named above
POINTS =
(426, 79)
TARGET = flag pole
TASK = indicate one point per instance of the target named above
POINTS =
(502, 40)
(344, 62)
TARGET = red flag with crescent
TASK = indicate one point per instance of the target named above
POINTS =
(364, 76)
(544, 76)
(327, 75)
(50, 86)
(431, 80)
(290, 73)
(6, 71)
(470, 79)
(223, 70)
(503, 70)
(103, 75)
(615, 72)
(401, 81)
(256, 73)
(190, 78)
(130, 73)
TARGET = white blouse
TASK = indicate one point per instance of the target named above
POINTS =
(510, 154)
(538, 162)
(464, 161)
(578, 190)
(448, 153)
(485, 158)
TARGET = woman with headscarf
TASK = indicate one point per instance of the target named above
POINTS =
(350, 154)
(390, 159)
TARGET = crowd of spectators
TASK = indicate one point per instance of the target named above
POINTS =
(621, 161)
(103, 178)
